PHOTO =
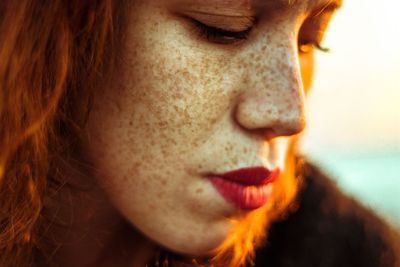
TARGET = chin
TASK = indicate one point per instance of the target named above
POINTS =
(228, 242)
(197, 243)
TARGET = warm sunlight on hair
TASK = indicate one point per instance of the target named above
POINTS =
(248, 233)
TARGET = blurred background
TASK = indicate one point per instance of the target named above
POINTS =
(354, 106)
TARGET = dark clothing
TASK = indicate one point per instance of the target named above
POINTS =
(329, 229)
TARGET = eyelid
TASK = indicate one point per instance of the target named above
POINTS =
(218, 35)
(229, 23)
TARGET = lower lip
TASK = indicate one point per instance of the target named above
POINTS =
(245, 197)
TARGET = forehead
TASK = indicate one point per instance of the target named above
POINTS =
(258, 5)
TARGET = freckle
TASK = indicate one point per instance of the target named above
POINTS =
(163, 182)
(235, 160)
(130, 123)
(199, 190)
(289, 106)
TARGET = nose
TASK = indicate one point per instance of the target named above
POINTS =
(272, 102)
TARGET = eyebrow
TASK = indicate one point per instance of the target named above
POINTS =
(323, 5)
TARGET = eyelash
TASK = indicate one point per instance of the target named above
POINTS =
(221, 36)
(307, 46)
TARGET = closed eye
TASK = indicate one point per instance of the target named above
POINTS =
(220, 35)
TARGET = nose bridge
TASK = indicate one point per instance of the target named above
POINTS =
(274, 99)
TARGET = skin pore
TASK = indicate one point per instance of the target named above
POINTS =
(202, 87)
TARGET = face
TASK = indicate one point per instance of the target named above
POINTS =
(203, 87)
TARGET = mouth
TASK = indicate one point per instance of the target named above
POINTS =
(245, 188)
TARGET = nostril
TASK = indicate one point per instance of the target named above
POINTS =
(265, 134)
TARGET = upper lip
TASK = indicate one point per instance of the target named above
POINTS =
(250, 176)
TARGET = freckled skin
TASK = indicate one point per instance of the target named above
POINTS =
(181, 107)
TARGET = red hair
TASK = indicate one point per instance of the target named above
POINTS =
(51, 55)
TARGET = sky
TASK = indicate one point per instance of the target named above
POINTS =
(355, 100)
(353, 121)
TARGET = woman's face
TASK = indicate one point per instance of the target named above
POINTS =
(203, 87)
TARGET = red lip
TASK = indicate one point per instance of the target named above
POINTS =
(250, 176)
(246, 188)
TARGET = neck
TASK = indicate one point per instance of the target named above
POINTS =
(127, 248)
(86, 230)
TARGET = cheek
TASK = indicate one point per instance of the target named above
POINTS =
(307, 68)
(183, 90)
(164, 104)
